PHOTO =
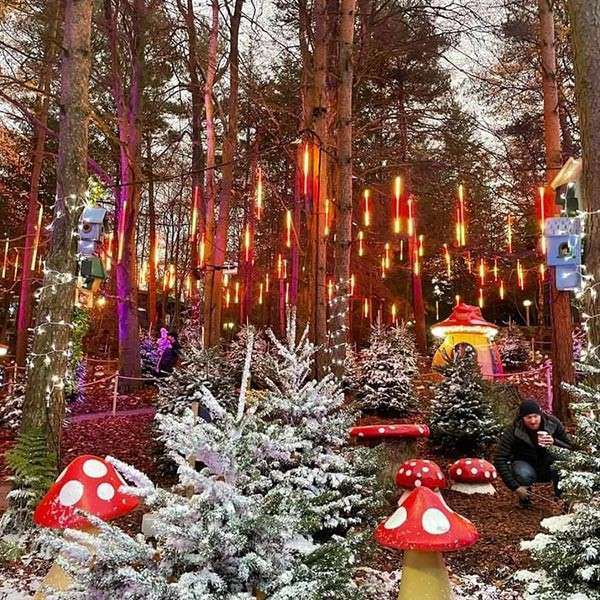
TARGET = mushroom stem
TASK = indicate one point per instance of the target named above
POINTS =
(424, 576)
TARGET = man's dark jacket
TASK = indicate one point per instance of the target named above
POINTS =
(516, 444)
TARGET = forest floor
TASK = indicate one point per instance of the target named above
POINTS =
(129, 436)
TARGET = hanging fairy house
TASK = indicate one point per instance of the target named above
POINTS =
(465, 328)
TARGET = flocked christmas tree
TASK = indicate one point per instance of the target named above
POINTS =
(262, 366)
(273, 484)
(461, 420)
(513, 348)
(569, 550)
(386, 370)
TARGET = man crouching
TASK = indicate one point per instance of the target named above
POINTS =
(522, 457)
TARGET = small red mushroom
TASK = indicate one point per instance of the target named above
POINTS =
(88, 484)
(417, 472)
(424, 527)
(393, 430)
(472, 476)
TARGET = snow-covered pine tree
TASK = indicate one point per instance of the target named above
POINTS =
(386, 370)
(262, 366)
(460, 418)
(513, 348)
(257, 517)
(569, 553)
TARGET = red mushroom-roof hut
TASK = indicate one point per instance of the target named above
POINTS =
(465, 328)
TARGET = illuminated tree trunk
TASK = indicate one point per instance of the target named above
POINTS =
(210, 186)
(585, 24)
(128, 114)
(32, 234)
(343, 222)
(196, 92)
(152, 246)
(560, 302)
(229, 150)
(44, 400)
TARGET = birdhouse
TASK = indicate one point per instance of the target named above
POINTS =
(563, 241)
(466, 328)
(91, 270)
(91, 229)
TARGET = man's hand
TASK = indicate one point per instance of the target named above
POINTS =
(522, 493)
(546, 440)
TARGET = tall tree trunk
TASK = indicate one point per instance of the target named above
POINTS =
(229, 150)
(44, 406)
(560, 302)
(32, 233)
(196, 92)
(152, 245)
(128, 114)
(317, 242)
(210, 185)
(343, 223)
(585, 30)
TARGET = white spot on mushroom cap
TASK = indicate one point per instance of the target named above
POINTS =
(425, 469)
(440, 476)
(105, 491)
(459, 471)
(408, 473)
(418, 483)
(487, 474)
(435, 522)
(468, 462)
(94, 468)
(361, 434)
(381, 430)
(401, 471)
(396, 519)
(71, 493)
(474, 471)
(421, 430)
(413, 464)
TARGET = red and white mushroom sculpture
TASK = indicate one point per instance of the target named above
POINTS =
(472, 476)
(390, 430)
(88, 484)
(416, 473)
(424, 527)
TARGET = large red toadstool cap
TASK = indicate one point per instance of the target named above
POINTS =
(90, 484)
(393, 430)
(425, 523)
(464, 317)
(416, 472)
(473, 476)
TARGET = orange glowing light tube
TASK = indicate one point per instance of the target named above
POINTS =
(509, 236)
(5, 260)
(225, 280)
(520, 276)
(288, 228)
(448, 263)
(383, 267)
(411, 221)
(227, 298)
(542, 221)
(267, 283)
(352, 284)
(469, 263)
(260, 293)
(480, 298)
(394, 313)
(247, 242)
(501, 290)
(401, 250)
(259, 195)
(305, 168)
(279, 267)
(462, 224)
(285, 268)
(367, 212)
(16, 264)
(397, 195)
(188, 285)
(165, 280)
(330, 290)
(122, 231)
(171, 276)
(361, 249)
(202, 252)
(287, 292)
(542, 271)
(326, 226)
(366, 308)
(416, 265)
(387, 255)
(421, 245)
(482, 271)
(236, 299)
(457, 299)
(37, 237)
(495, 269)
